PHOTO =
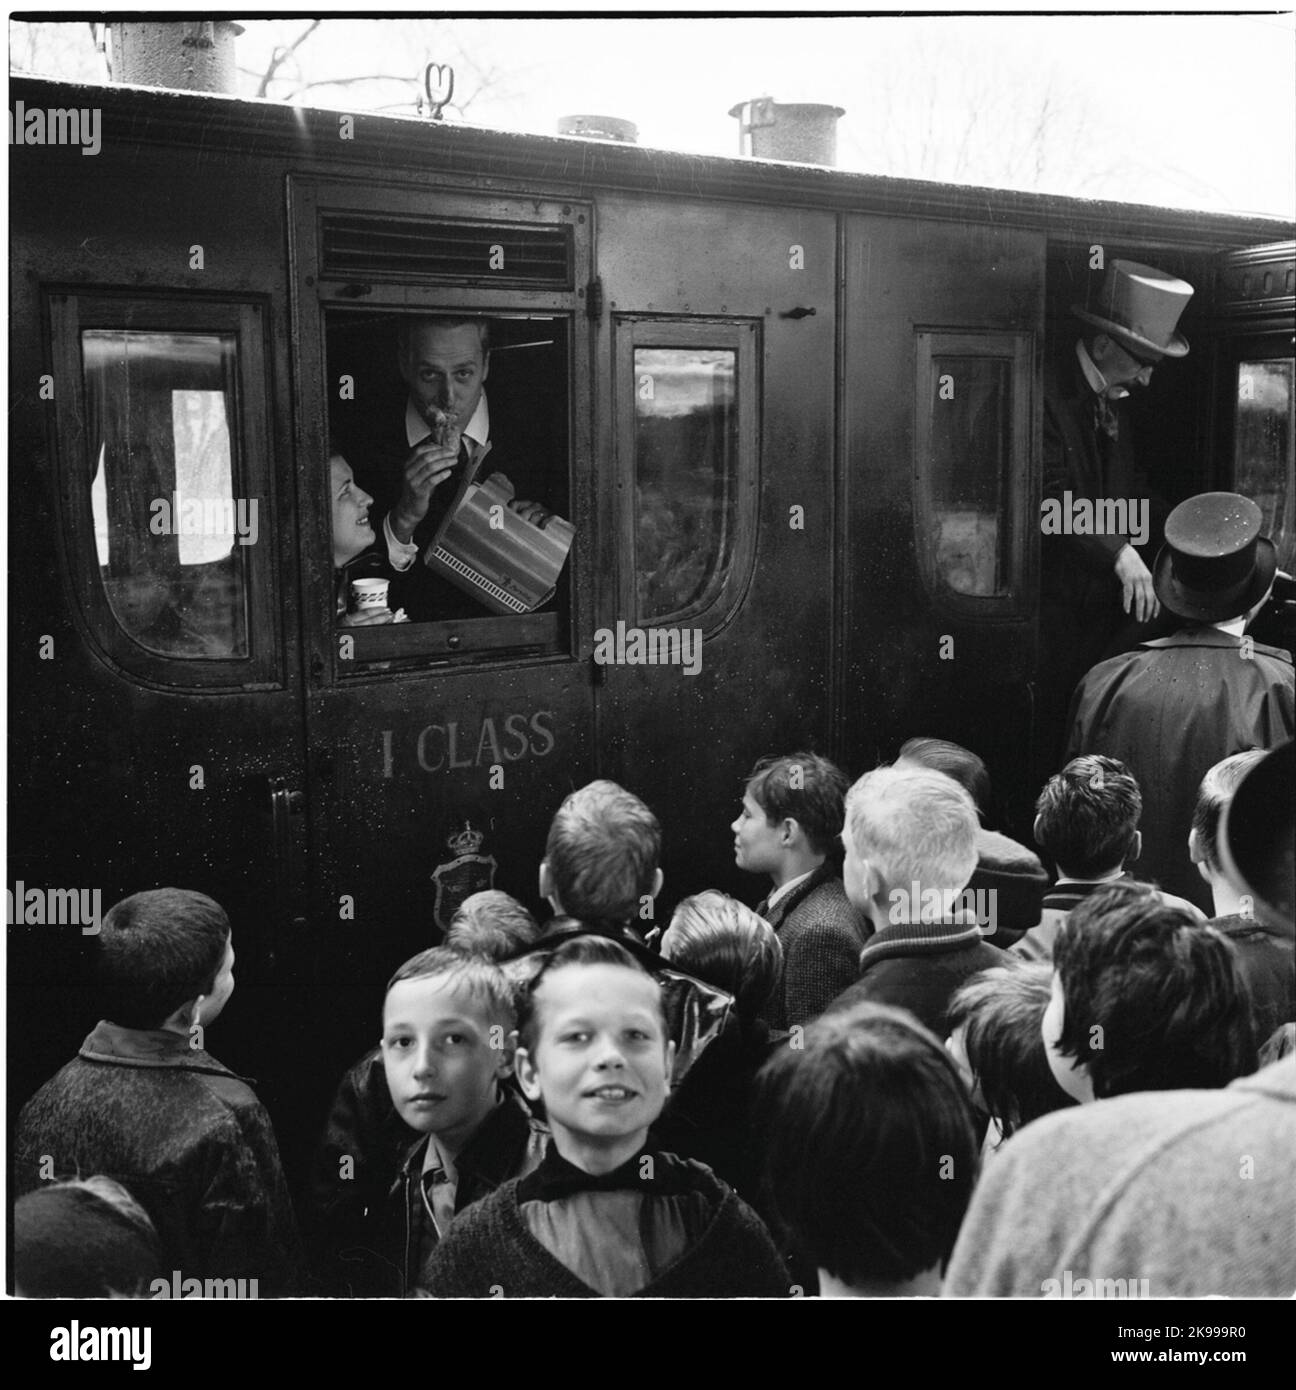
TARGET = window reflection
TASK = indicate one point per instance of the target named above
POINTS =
(169, 531)
(970, 456)
(686, 442)
(1263, 449)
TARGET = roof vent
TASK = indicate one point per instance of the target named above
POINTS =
(612, 128)
(801, 132)
(193, 55)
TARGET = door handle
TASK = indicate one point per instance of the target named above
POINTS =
(285, 802)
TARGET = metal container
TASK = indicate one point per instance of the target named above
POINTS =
(800, 132)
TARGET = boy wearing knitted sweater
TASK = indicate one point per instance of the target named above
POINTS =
(604, 1214)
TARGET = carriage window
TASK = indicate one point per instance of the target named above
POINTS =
(970, 441)
(170, 528)
(1264, 449)
(484, 400)
(686, 452)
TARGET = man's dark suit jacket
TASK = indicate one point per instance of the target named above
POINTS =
(377, 454)
(1076, 571)
(1081, 617)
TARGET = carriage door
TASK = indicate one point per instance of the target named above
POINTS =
(941, 487)
(439, 747)
(714, 622)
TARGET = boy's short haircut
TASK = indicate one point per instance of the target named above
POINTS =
(589, 949)
(915, 826)
(481, 979)
(805, 788)
(603, 848)
(1088, 814)
(1000, 1011)
(491, 924)
(1152, 999)
(955, 761)
(870, 1145)
(720, 940)
(158, 950)
(1215, 792)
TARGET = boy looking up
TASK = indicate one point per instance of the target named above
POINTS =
(910, 841)
(1086, 821)
(145, 1104)
(792, 812)
(604, 1214)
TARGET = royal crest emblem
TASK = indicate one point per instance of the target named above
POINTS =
(467, 873)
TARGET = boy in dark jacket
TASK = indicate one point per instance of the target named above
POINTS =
(604, 1214)
(448, 1134)
(144, 1103)
(910, 843)
(791, 817)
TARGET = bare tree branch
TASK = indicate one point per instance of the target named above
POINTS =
(281, 56)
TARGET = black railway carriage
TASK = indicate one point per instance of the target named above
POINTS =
(731, 376)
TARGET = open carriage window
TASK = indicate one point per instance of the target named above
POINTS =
(454, 428)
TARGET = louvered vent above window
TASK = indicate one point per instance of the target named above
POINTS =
(408, 249)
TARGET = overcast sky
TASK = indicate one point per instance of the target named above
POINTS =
(1186, 110)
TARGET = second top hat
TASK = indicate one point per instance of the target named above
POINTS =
(1214, 564)
(1140, 307)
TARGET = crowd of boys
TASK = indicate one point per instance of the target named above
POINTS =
(876, 1083)
(850, 1089)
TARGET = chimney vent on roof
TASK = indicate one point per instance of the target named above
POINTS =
(193, 55)
(612, 128)
(801, 132)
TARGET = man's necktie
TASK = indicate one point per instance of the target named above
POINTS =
(1106, 421)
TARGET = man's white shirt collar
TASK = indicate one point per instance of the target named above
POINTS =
(477, 429)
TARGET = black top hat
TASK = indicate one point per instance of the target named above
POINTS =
(1257, 838)
(1214, 564)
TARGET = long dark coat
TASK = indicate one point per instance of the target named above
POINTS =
(1170, 710)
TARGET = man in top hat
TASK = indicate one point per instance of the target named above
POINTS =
(1175, 706)
(1090, 582)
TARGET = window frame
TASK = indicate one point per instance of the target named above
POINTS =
(1016, 347)
(743, 337)
(1269, 347)
(352, 653)
(72, 311)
